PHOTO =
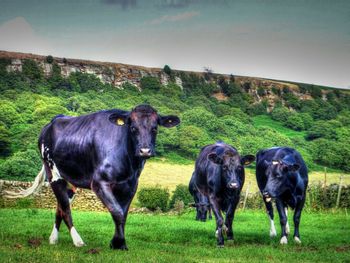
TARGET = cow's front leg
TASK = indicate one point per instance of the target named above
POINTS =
(283, 221)
(297, 215)
(219, 220)
(230, 215)
(104, 192)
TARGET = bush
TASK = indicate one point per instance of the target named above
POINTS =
(31, 70)
(153, 198)
(181, 193)
(295, 122)
(23, 165)
(150, 83)
(280, 114)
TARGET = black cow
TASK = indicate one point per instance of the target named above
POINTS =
(282, 175)
(219, 175)
(201, 202)
(103, 151)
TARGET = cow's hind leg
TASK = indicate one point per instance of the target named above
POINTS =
(297, 215)
(269, 210)
(63, 196)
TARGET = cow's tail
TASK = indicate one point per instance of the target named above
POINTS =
(35, 188)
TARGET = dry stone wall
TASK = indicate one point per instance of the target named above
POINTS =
(84, 199)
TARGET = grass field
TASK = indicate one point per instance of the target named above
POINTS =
(170, 175)
(171, 238)
(264, 120)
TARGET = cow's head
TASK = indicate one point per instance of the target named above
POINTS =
(202, 210)
(232, 166)
(280, 174)
(142, 123)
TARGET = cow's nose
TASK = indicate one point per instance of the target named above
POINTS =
(233, 185)
(145, 151)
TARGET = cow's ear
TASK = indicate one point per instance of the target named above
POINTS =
(294, 167)
(213, 157)
(168, 121)
(119, 118)
(247, 159)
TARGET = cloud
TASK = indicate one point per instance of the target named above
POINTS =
(174, 18)
(18, 35)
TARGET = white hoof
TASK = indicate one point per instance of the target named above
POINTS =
(284, 240)
(78, 242)
(53, 239)
(297, 240)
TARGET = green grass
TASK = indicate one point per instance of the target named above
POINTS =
(172, 238)
(264, 120)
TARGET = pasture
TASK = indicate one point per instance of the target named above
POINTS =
(169, 175)
(171, 238)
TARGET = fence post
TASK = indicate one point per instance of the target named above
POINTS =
(339, 191)
(246, 195)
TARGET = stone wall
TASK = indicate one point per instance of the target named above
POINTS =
(84, 199)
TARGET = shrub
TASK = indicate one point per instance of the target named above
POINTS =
(181, 193)
(295, 122)
(31, 70)
(150, 83)
(24, 165)
(280, 114)
(153, 198)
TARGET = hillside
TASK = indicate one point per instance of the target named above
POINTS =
(249, 113)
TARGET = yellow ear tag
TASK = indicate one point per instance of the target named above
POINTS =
(246, 162)
(120, 122)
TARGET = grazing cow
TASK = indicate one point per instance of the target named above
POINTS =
(201, 202)
(219, 175)
(103, 151)
(281, 174)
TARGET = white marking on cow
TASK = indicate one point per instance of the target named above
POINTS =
(53, 239)
(55, 173)
(78, 242)
(42, 150)
(224, 231)
(287, 225)
(297, 240)
(273, 232)
(268, 199)
(284, 240)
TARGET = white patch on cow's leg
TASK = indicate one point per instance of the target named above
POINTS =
(55, 173)
(287, 225)
(273, 232)
(42, 150)
(53, 239)
(297, 240)
(284, 240)
(78, 242)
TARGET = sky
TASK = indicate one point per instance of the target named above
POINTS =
(301, 40)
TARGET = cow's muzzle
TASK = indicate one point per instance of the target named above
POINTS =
(145, 152)
(267, 197)
(233, 185)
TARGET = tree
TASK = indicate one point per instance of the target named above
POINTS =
(167, 70)
(295, 122)
(280, 114)
(31, 70)
(49, 59)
